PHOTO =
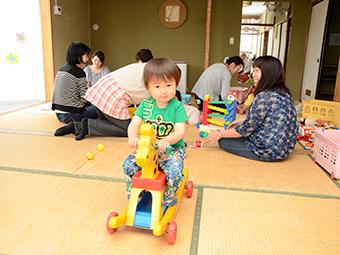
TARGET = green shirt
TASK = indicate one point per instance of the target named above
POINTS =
(164, 119)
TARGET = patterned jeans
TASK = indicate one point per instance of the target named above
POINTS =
(171, 162)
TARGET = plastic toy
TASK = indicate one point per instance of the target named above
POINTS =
(228, 114)
(203, 134)
(132, 110)
(145, 208)
(197, 144)
(327, 151)
(306, 133)
(89, 155)
(100, 147)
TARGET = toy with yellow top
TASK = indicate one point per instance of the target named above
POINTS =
(227, 114)
(145, 209)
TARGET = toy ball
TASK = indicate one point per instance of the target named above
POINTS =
(100, 147)
(89, 156)
(231, 96)
(203, 134)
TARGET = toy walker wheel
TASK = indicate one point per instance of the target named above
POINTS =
(172, 232)
(190, 189)
(109, 229)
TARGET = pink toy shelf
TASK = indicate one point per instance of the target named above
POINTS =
(327, 151)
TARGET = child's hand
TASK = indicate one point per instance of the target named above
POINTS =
(163, 144)
(243, 110)
(133, 143)
(239, 108)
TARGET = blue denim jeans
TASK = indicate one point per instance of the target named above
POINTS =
(238, 147)
(89, 113)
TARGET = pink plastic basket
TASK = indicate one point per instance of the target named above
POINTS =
(327, 151)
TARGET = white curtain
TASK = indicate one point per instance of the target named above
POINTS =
(21, 54)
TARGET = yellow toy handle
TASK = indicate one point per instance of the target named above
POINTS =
(147, 155)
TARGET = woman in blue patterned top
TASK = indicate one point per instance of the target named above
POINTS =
(269, 131)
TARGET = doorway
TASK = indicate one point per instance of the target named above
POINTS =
(265, 29)
(314, 49)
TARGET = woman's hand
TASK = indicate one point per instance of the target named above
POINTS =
(235, 123)
(133, 143)
(213, 137)
(163, 144)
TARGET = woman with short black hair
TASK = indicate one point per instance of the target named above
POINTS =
(70, 86)
(215, 80)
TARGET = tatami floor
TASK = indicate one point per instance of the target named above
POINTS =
(54, 201)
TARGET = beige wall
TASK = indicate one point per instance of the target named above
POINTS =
(72, 25)
(297, 46)
(126, 26)
(226, 23)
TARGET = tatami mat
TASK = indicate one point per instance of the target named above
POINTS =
(207, 166)
(191, 134)
(109, 162)
(55, 201)
(29, 121)
(210, 166)
(32, 120)
(256, 223)
(44, 152)
(10, 106)
(43, 108)
(60, 215)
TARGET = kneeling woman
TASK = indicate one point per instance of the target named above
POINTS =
(269, 131)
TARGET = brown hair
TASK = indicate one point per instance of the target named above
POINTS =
(100, 55)
(161, 68)
(272, 76)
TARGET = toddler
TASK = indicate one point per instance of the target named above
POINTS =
(167, 116)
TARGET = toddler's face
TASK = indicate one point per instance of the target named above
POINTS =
(162, 90)
(256, 74)
(96, 61)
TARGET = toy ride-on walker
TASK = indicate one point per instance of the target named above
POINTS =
(145, 209)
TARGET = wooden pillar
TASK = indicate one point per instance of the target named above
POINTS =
(207, 35)
(46, 26)
(265, 43)
(337, 85)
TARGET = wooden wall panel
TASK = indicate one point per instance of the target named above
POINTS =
(46, 26)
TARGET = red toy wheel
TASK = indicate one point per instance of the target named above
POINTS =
(109, 229)
(172, 232)
(190, 189)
